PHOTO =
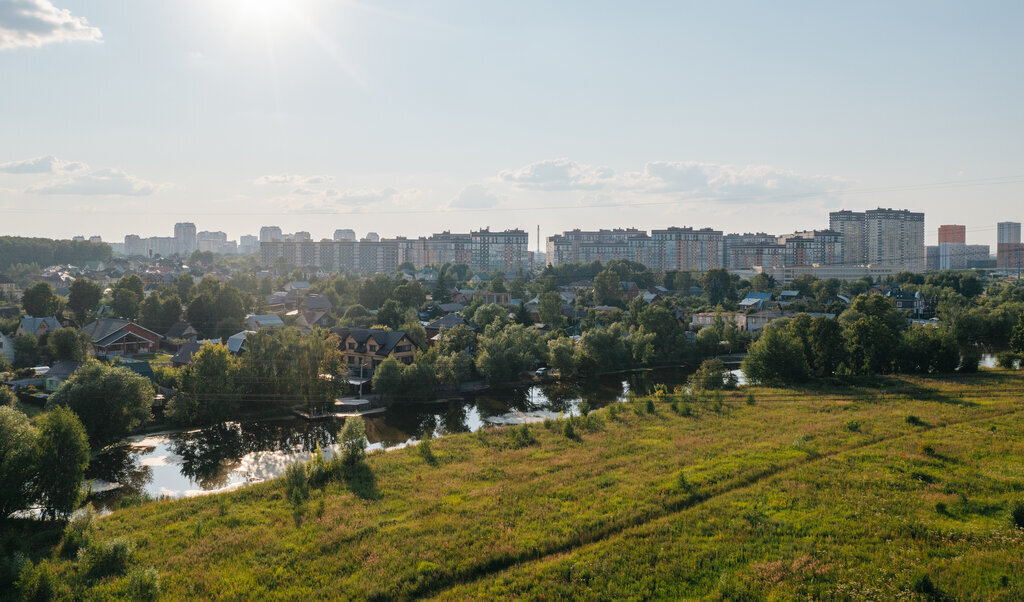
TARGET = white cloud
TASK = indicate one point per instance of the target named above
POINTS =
(48, 164)
(670, 178)
(558, 174)
(293, 179)
(333, 200)
(475, 196)
(33, 23)
(97, 181)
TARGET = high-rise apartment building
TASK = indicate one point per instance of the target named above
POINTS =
(184, 238)
(346, 234)
(1009, 250)
(270, 234)
(885, 237)
(953, 233)
(686, 249)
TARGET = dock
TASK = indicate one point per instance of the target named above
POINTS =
(343, 408)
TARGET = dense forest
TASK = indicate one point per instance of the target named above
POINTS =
(45, 251)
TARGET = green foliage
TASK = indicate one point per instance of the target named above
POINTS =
(18, 461)
(550, 309)
(78, 532)
(296, 483)
(160, 311)
(126, 303)
(606, 288)
(104, 558)
(1017, 514)
(711, 375)
(425, 451)
(7, 397)
(208, 391)
(928, 351)
(1007, 360)
(775, 358)
(506, 352)
(39, 300)
(718, 285)
(281, 365)
(69, 344)
(1017, 337)
(26, 351)
(44, 251)
(521, 436)
(569, 431)
(217, 310)
(143, 584)
(353, 440)
(110, 401)
(62, 452)
(84, 297)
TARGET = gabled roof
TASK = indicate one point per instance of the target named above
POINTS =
(451, 307)
(31, 324)
(107, 330)
(318, 302)
(757, 295)
(236, 342)
(185, 352)
(63, 369)
(264, 320)
(385, 339)
(446, 322)
(181, 330)
(139, 367)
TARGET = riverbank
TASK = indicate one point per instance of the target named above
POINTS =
(877, 489)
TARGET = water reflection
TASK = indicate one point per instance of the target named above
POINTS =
(233, 454)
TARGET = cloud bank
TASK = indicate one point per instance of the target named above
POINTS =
(97, 182)
(46, 165)
(32, 23)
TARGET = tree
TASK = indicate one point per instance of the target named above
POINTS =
(110, 401)
(84, 297)
(561, 356)
(550, 309)
(132, 283)
(927, 350)
(353, 440)
(390, 315)
(827, 346)
(161, 311)
(485, 315)
(62, 449)
(39, 300)
(873, 346)
(456, 340)
(606, 288)
(185, 286)
(17, 461)
(26, 351)
(375, 291)
(717, 285)
(126, 303)
(356, 315)
(1017, 337)
(505, 352)
(208, 389)
(443, 288)
(69, 344)
(775, 358)
(7, 397)
(710, 376)
(410, 295)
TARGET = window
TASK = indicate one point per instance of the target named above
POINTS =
(373, 347)
(403, 348)
(351, 346)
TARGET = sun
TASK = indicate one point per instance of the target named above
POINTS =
(268, 12)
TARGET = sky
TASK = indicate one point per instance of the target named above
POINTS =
(407, 118)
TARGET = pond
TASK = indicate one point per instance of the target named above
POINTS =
(231, 455)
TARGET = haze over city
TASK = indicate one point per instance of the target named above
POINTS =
(406, 119)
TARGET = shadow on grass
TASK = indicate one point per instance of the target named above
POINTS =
(361, 481)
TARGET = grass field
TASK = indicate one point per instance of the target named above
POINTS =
(901, 487)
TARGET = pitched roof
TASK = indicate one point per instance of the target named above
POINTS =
(386, 339)
(181, 330)
(107, 330)
(63, 369)
(185, 352)
(446, 322)
(318, 302)
(236, 342)
(264, 320)
(31, 324)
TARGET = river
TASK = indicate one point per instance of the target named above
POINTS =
(234, 454)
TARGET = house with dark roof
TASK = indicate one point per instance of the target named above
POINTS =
(369, 347)
(444, 323)
(181, 331)
(184, 355)
(36, 327)
(629, 290)
(317, 302)
(59, 373)
(117, 337)
(256, 322)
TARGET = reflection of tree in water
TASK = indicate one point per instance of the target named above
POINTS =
(120, 464)
(454, 420)
(208, 456)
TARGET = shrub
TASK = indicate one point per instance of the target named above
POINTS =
(751, 400)
(1007, 360)
(110, 557)
(40, 582)
(685, 410)
(425, 451)
(922, 584)
(584, 408)
(682, 484)
(78, 531)
(353, 440)
(914, 420)
(649, 406)
(926, 449)
(570, 431)
(522, 437)
(941, 508)
(853, 426)
(1017, 515)
(296, 483)
(144, 584)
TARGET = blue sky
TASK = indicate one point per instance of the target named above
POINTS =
(407, 118)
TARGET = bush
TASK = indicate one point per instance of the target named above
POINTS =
(682, 484)
(1017, 515)
(926, 449)
(970, 358)
(353, 440)
(941, 508)
(522, 437)
(7, 397)
(751, 400)
(853, 426)
(914, 420)
(111, 557)
(569, 431)
(425, 450)
(1007, 360)
(144, 584)
(40, 582)
(78, 531)
(584, 408)
(296, 483)
(649, 406)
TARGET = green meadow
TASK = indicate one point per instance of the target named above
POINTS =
(892, 487)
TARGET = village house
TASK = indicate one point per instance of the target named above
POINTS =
(117, 337)
(256, 322)
(7, 348)
(369, 347)
(36, 327)
(444, 323)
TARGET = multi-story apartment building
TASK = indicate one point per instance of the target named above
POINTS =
(732, 256)
(483, 250)
(686, 249)
(213, 242)
(952, 233)
(584, 246)
(345, 234)
(185, 238)
(891, 237)
(270, 234)
(812, 247)
(1009, 250)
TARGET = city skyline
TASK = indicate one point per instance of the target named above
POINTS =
(235, 115)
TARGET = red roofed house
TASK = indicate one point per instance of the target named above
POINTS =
(113, 337)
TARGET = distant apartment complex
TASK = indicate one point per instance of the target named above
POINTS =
(689, 249)
(1009, 249)
(482, 250)
(883, 237)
